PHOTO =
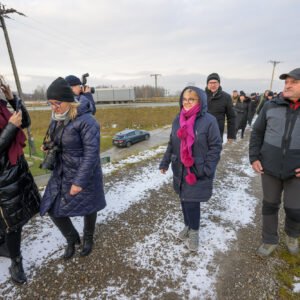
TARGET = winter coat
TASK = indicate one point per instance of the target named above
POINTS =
(206, 152)
(78, 163)
(19, 195)
(275, 139)
(87, 103)
(243, 113)
(220, 105)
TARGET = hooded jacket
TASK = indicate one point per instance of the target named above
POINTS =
(78, 163)
(220, 105)
(19, 195)
(275, 139)
(206, 152)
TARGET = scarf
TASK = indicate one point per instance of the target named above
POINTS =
(15, 150)
(60, 117)
(187, 138)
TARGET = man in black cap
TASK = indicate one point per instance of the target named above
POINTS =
(82, 93)
(253, 105)
(220, 105)
(274, 153)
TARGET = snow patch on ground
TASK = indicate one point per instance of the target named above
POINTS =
(166, 257)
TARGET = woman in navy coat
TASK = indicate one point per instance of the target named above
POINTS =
(194, 152)
(76, 185)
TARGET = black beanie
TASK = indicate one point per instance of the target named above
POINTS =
(213, 76)
(60, 90)
(242, 93)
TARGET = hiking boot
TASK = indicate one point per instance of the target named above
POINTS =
(192, 241)
(184, 233)
(266, 249)
(292, 244)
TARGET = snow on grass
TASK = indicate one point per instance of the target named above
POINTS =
(296, 285)
(110, 167)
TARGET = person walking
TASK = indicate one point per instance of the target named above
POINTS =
(274, 152)
(220, 106)
(20, 198)
(242, 110)
(75, 187)
(194, 152)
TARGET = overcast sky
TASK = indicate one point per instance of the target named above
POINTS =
(122, 42)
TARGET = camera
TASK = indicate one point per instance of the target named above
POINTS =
(51, 156)
(84, 81)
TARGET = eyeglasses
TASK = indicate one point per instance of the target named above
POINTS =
(55, 104)
(189, 100)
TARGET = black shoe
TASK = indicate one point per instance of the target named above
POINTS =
(16, 270)
(87, 246)
(70, 248)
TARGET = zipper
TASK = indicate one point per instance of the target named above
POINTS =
(2, 214)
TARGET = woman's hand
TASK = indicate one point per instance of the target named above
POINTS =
(75, 189)
(6, 89)
(16, 118)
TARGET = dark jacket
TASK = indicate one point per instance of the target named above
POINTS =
(243, 113)
(220, 105)
(206, 152)
(19, 196)
(87, 103)
(78, 163)
(275, 139)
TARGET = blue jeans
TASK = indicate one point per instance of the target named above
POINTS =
(191, 214)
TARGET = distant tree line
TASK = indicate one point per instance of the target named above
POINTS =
(148, 91)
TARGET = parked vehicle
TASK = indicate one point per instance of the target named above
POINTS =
(128, 137)
(114, 95)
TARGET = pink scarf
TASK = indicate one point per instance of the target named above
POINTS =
(187, 137)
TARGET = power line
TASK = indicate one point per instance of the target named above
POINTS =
(155, 78)
(4, 14)
(275, 63)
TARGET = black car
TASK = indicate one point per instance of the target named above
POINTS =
(128, 137)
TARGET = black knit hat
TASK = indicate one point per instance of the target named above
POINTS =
(73, 80)
(213, 76)
(60, 90)
(242, 93)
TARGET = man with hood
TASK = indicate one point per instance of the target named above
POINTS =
(194, 152)
(220, 105)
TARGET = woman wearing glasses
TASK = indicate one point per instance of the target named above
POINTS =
(19, 196)
(75, 187)
(194, 152)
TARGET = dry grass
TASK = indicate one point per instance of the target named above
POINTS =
(111, 120)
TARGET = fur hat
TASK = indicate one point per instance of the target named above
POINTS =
(60, 90)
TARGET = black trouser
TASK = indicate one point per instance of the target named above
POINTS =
(68, 230)
(13, 242)
(191, 214)
(272, 190)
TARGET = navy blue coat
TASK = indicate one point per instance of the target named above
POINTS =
(78, 163)
(206, 152)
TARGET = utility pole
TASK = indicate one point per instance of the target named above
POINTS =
(155, 78)
(3, 14)
(275, 63)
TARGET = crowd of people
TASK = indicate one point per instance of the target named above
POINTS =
(72, 147)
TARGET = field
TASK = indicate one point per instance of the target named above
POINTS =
(112, 120)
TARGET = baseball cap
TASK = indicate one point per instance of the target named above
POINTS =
(294, 74)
